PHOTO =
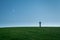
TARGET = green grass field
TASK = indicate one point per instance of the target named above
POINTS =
(30, 33)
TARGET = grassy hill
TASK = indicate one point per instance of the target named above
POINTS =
(30, 33)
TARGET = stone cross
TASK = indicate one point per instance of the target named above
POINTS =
(40, 24)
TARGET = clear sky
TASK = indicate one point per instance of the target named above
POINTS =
(29, 12)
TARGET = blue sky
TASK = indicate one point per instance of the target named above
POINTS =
(29, 12)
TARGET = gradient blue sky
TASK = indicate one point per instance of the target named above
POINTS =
(29, 12)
